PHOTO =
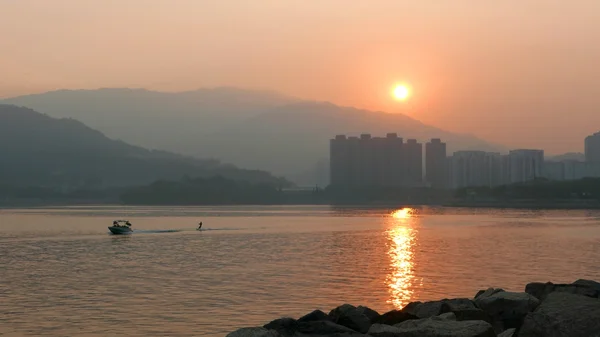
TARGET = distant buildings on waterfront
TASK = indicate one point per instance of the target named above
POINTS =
(592, 148)
(375, 161)
(368, 161)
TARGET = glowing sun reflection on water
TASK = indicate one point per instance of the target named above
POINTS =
(401, 235)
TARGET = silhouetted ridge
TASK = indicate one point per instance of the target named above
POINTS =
(40, 150)
(250, 128)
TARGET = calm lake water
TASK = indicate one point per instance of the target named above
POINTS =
(62, 274)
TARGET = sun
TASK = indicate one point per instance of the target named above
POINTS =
(401, 92)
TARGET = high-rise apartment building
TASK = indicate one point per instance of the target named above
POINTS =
(467, 169)
(435, 163)
(592, 148)
(340, 166)
(525, 165)
(475, 169)
(366, 161)
(413, 156)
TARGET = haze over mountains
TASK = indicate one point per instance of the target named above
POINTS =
(38, 150)
(251, 129)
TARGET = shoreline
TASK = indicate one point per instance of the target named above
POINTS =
(542, 309)
(558, 205)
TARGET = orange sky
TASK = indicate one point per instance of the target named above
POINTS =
(524, 73)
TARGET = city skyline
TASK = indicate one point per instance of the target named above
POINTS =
(367, 161)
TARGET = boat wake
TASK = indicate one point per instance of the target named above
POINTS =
(155, 231)
(158, 231)
(217, 229)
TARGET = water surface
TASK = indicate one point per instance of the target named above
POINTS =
(63, 274)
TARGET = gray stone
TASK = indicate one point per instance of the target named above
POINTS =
(424, 309)
(394, 317)
(507, 333)
(325, 328)
(351, 317)
(507, 309)
(563, 315)
(488, 292)
(465, 310)
(446, 316)
(316, 315)
(384, 330)
(371, 314)
(437, 327)
(285, 326)
(253, 332)
(337, 312)
(588, 283)
(579, 287)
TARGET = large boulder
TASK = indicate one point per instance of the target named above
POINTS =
(507, 309)
(325, 328)
(563, 315)
(316, 315)
(488, 292)
(588, 283)
(465, 310)
(424, 309)
(351, 317)
(438, 327)
(253, 332)
(383, 330)
(507, 333)
(371, 314)
(394, 317)
(580, 287)
(285, 326)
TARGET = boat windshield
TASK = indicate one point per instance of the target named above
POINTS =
(121, 223)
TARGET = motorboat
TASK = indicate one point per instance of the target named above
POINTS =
(120, 227)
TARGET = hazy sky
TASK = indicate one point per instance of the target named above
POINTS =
(523, 73)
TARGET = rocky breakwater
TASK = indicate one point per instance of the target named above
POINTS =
(544, 309)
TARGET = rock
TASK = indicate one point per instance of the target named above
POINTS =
(285, 326)
(383, 330)
(394, 317)
(316, 315)
(351, 317)
(447, 316)
(580, 287)
(465, 310)
(507, 333)
(507, 309)
(325, 328)
(588, 283)
(410, 307)
(436, 327)
(488, 292)
(253, 332)
(424, 309)
(563, 315)
(371, 314)
(337, 312)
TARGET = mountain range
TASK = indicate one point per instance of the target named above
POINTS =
(252, 129)
(39, 150)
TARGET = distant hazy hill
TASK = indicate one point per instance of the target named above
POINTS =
(158, 120)
(36, 149)
(253, 129)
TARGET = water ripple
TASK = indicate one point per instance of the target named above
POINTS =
(62, 274)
